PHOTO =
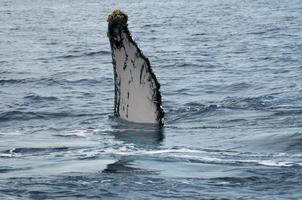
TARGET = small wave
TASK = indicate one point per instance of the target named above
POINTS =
(5, 155)
(12, 81)
(69, 135)
(124, 167)
(19, 115)
(288, 112)
(266, 31)
(43, 81)
(84, 81)
(10, 169)
(52, 81)
(198, 34)
(76, 134)
(23, 116)
(3, 62)
(31, 151)
(241, 180)
(203, 156)
(237, 86)
(212, 159)
(179, 156)
(272, 163)
(191, 110)
(133, 151)
(38, 98)
(248, 103)
(85, 54)
(207, 156)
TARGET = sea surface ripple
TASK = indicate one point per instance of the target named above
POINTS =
(230, 74)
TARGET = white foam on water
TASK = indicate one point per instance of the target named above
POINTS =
(11, 133)
(79, 133)
(272, 163)
(6, 155)
(191, 155)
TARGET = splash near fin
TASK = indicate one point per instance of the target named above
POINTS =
(137, 95)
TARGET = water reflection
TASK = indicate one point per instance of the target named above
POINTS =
(142, 136)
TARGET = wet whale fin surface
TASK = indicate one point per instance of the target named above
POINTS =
(137, 95)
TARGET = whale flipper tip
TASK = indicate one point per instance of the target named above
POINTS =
(118, 16)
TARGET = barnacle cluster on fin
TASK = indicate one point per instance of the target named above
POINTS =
(118, 17)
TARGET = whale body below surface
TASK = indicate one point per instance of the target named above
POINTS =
(137, 95)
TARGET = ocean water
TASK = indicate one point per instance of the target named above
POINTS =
(230, 74)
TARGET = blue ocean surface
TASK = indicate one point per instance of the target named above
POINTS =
(230, 74)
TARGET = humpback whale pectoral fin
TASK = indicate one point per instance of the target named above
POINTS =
(133, 76)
